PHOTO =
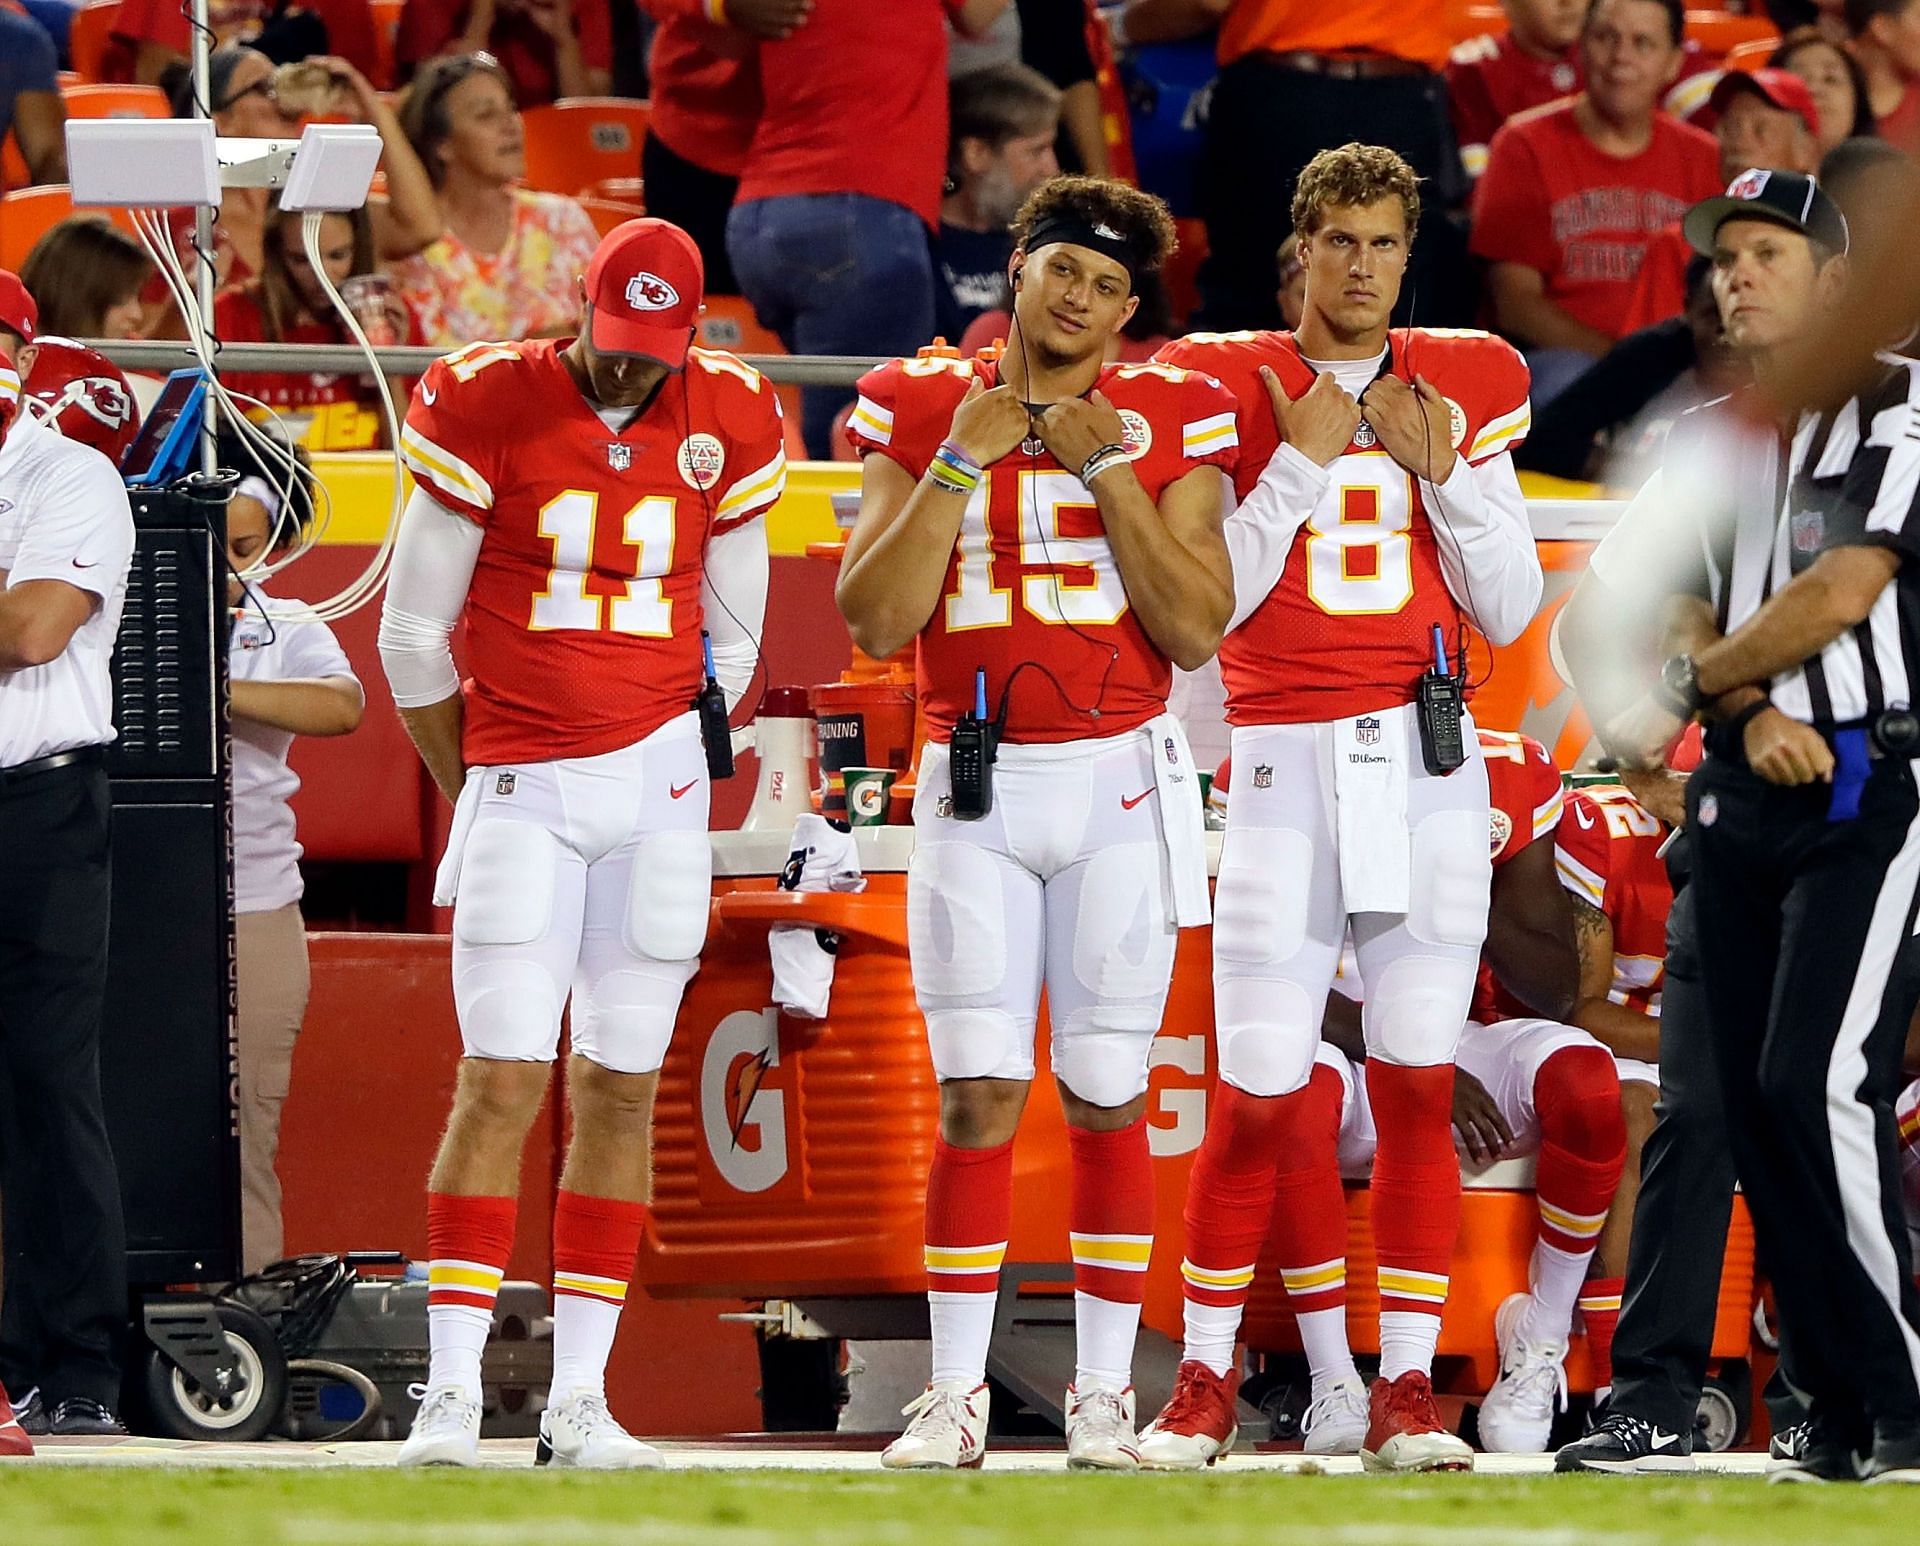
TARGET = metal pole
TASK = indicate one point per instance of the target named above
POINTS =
(203, 222)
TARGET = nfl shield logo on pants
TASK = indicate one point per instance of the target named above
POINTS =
(619, 456)
(1367, 731)
(503, 784)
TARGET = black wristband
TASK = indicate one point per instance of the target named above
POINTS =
(1735, 729)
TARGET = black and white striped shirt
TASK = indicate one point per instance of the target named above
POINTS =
(1758, 508)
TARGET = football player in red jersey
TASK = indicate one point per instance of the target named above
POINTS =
(1610, 861)
(1380, 517)
(590, 508)
(1047, 527)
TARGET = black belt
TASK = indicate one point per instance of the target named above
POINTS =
(80, 756)
(1346, 66)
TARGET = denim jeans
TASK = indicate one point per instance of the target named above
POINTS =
(834, 273)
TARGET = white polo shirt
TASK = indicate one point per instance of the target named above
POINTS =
(63, 516)
(284, 645)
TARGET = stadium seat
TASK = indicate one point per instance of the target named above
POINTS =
(97, 100)
(13, 165)
(577, 142)
(608, 213)
(26, 214)
(727, 322)
(386, 33)
(627, 190)
(1720, 32)
(90, 36)
(1751, 55)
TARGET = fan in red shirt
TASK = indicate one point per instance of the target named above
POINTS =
(549, 48)
(1573, 194)
(591, 511)
(1047, 529)
(1491, 78)
(1388, 518)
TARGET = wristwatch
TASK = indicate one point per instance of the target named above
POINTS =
(1679, 688)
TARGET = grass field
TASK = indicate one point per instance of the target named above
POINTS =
(51, 1506)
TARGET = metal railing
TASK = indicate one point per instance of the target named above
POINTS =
(154, 354)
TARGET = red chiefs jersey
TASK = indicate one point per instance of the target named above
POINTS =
(1032, 586)
(583, 620)
(1609, 857)
(1490, 78)
(1525, 804)
(1349, 627)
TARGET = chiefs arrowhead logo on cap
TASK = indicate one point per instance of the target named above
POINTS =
(649, 292)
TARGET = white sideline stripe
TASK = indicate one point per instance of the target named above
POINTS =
(517, 1454)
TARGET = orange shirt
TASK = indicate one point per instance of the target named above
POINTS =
(1407, 29)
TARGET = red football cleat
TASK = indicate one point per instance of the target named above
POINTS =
(1198, 1424)
(13, 1438)
(1404, 1431)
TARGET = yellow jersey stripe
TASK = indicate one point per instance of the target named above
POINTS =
(1580, 1224)
(460, 1275)
(763, 486)
(1310, 1278)
(1214, 1277)
(1128, 1251)
(431, 464)
(596, 1288)
(976, 1258)
(871, 420)
(1501, 433)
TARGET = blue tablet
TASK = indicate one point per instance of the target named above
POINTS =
(163, 450)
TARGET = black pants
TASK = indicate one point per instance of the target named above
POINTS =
(1809, 970)
(1672, 1294)
(65, 1290)
(697, 201)
(1264, 123)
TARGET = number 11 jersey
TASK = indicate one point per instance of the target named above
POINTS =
(1033, 595)
(583, 620)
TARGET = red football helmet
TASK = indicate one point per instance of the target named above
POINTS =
(85, 394)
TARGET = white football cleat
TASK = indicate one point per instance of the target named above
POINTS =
(1335, 1422)
(948, 1430)
(1516, 1418)
(1197, 1425)
(446, 1429)
(1100, 1434)
(580, 1433)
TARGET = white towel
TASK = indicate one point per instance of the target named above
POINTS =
(446, 878)
(1182, 821)
(1370, 811)
(823, 858)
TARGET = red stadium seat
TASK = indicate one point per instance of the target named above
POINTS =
(386, 32)
(577, 142)
(89, 37)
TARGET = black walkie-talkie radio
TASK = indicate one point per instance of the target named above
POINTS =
(1441, 703)
(970, 753)
(710, 703)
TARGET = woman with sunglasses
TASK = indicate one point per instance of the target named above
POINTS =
(508, 259)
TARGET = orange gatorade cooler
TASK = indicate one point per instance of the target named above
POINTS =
(859, 725)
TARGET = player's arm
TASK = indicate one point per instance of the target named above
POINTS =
(733, 604)
(1487, 552)
(1167, 21)
(1172, 556)
(1625, 1032)
(1530, 932)
(434, 555)
(897, 554)
(1522, 309)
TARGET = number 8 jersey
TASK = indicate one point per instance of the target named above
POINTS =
(1349, 627)
(1032, 586)
(583, 621)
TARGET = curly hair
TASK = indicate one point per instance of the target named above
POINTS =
(1144, 222)
(1353, 174)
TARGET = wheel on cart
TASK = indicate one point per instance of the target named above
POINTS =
(1726, 1408)
(182, 1408)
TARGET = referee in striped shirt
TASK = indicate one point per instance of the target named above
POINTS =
(1797, 634)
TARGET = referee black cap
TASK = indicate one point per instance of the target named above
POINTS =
(1791, 199)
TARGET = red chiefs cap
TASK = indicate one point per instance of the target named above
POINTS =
(645, 285)
(1779, 88)
(17, 312)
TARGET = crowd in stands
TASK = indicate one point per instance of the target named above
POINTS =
(851, 180)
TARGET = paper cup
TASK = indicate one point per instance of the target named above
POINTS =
(869, 793)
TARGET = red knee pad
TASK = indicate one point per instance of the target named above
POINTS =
(1577, 1096)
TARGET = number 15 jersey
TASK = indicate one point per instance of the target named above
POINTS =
(1032, 587)
(1348, 629)
(583, 620)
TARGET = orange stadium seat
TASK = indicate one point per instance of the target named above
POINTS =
(386, 36)
(26, 214)
(728, 323)
(577, 142)
(1751, 55)
(608, 213)
(13, 165)
(1720, 32)
(89, 37)
(97, 100)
